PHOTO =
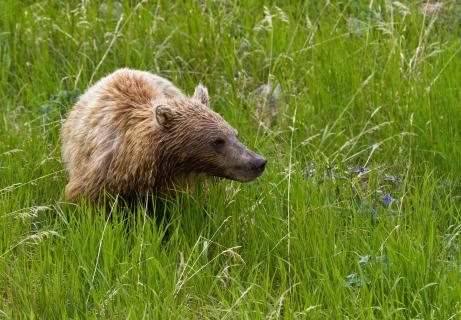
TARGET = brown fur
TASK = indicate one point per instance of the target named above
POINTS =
(134, 133)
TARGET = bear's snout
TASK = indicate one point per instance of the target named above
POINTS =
(249, 166)
(259, 164)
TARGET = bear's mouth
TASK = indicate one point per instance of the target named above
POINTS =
(244, 174)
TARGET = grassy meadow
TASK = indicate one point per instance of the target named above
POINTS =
(356, 106)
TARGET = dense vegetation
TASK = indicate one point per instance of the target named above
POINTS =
(356, 105)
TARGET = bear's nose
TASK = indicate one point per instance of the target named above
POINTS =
(259, 163)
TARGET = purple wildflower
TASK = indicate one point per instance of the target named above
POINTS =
(309, 171)
(387, 199)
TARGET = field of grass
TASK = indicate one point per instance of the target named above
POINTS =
(356, 217)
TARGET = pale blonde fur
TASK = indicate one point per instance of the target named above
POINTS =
(112, 140)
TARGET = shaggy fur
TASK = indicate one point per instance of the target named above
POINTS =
(134, 133)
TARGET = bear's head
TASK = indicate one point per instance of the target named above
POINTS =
(197, 139)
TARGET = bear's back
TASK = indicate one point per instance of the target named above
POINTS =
(127, 85)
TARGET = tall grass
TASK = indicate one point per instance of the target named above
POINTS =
(356, 216)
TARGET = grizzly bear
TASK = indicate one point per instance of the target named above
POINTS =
(134, 134)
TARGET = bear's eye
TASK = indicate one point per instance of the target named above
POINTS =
(219, 142)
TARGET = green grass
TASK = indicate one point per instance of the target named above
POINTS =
(373, 84)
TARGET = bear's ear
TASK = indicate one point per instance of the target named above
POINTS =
(201, 94)
(164, 115)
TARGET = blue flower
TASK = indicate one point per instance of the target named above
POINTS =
(387, 199)
(306, 175)
(309, 171)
